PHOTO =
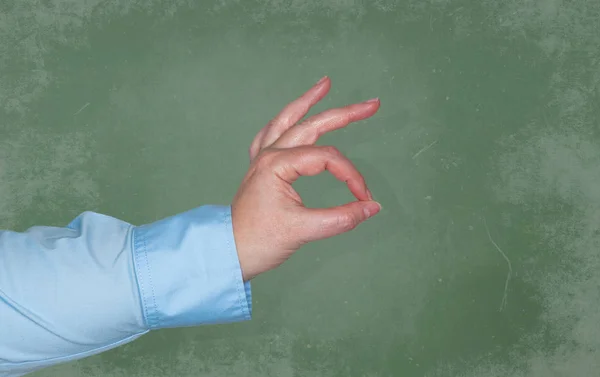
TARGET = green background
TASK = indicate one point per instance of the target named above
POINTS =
(144, 108)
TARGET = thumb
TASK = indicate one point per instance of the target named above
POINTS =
(321, 223)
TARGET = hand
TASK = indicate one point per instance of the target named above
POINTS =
(270, 221)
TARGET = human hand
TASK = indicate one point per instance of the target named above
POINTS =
(269, 219)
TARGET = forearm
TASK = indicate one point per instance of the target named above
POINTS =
(68, 293)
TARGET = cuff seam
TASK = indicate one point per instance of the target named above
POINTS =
(241, 291)
(140, 251)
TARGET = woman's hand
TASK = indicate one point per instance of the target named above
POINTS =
(270, 221)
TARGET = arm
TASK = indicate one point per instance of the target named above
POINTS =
(68, 293)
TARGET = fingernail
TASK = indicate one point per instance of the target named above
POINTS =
(322, 80)
(373, 100)
(372, 209)
(369, 194)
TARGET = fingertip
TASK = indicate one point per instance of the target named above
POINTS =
(371, 209)
(358, 187)
(324, 81)
(325, 86)
(373, 105)
(318, 91)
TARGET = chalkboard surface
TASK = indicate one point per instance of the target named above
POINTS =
(485, 260)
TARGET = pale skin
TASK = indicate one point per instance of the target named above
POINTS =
(270, 222)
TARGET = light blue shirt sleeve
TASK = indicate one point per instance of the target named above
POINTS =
(68, 293)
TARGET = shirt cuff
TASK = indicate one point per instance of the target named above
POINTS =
(188, 271)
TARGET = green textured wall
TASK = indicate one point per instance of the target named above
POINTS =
(485, 156)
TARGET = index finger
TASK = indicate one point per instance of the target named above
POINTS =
(312, 160)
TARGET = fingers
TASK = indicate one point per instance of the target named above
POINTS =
(323, 223)
(293, 113)
(281, 133)
(314, 127)
(290, 164)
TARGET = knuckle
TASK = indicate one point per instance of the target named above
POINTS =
(347, 222)
(251, 149)
(341, 114)
(265, 158)
(329, 149)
